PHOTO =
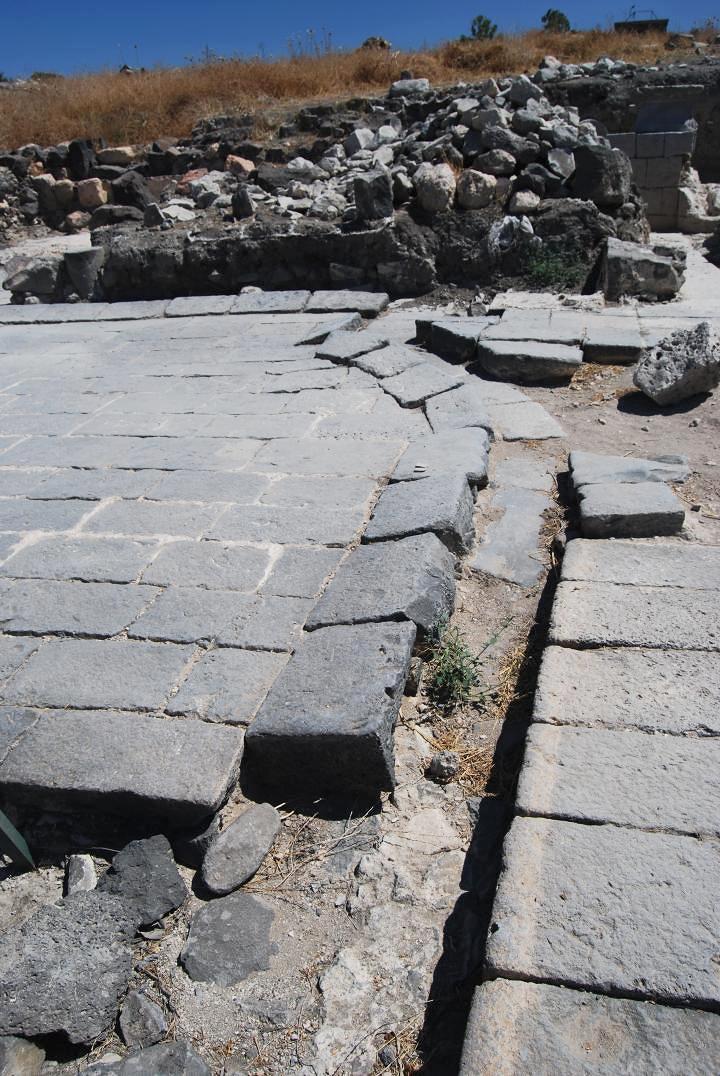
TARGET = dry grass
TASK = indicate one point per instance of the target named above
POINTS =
(167, 102)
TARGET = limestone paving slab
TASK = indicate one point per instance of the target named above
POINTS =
(605, 614)
(270, 302)
(411, 579)
(368, 303)
(543, 326)
(608, 909)
(21, 514)
(528, 362)
(651, 564)
(629, 778)
(227, 685)
(458, 452)
(388, 361)
(71, 759)
(418, 383)
(590, 467)
(524, 473)
(674, 691)
(523, 421)
(442, 504)
(612, 343)
(53, 607)
(455, 339)
(519, 1027)
(327, 723)
(629, 510)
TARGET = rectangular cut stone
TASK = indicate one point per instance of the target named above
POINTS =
(516, 1028)
(212, 565)
(604, 614)
(676, 691)
(525, 474)
(612, 343)
(388, 361)
(300, 573)
(20, 514)
(413, 579)
(98, 673)
(159, 453)
(555, 327)
(140, 310)
(322, 329)
(629, 778)
(509, 549)
(227, 685)
(417, 384)
(13, 653)
(84, 759)
(270, 302)
(462, 452)
(649, 564)
(528, 362)
(195, 305)
(207, 487)
(608, 909)
(52, 607)
(342, 347)
(152, 518)
(368, 303)
(629, 510)
(524, 421)
(289, 524)
(442, 504)
(320, 493)
(461, 408)
(103, 560)
(591, 467)
(327, 724)
(455, 339)
(340, 456)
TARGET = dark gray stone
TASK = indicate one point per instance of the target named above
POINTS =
(528, 361)
(629, 269)
(318, 333)
(111, 560)
(227, 685)
(239, 850)
(300, 573)
(14, 651)
(412, 579)
(164, 1059)
(462, 408)
(590, 467)
(510, 547)
(603, 175)
(463, 451)
(271, 302)
(388, 361)
(14, 722)
(18, 1057)
(657, 564)
(518, 1027)
(367, 303)
(629, 510)
(144, 876)
(142, 1022)
(211, 565)
(455, 339)
(81, 947)
(49, 606)
(229, 939)
(617, 344)
(415, 385)
(327, 725)
(684, 365)
(442, 504)
(373, 195)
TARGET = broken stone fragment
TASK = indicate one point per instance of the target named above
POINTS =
(632, 269)
(475, 190)
(685, 364)
(142, 1022)
(19, 1057)
(80, 874)
(435, 187)
(229, 939)
(145, 877)
(237, 853)
(168, 1058)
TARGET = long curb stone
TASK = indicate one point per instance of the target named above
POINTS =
(625, 510)
(368, 303)
(528, 361)
(696, 567)
(588, 468)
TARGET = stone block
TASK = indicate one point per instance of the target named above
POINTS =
(607, 909)
(338, 456)
(509, 549)
(300, 573)
(229, 939)
(612, 344)
(687, 565)
(341, 347)
(211, 565)
(604, 614)
(327, 725)
(14, 651)
(152, 518)
(288, 524)
(199, 306)
(673, 691)
(625, 142)
(19, 514)
(417, 384)
(664, 173)
(227, 685)
(463, 451)
(629, 510)
(629, 778)
(170, 1058)
(640, 171)
(74, 759)
(412, 579)
(551, 327)
(678, 143)
(270, 302)
(388, 361)
(455, 339)
(442, 504)
(528, 362)
(52, 607)
(592, 467)
(524, 421)
(517, 1027)
(463, 407)
(322, 329)
(367, 303)
(651, 144)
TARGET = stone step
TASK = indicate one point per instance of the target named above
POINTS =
(528, 362)
(629, 510)
(643, 564)
(517, 1028)
(442, 504)
(590, 467)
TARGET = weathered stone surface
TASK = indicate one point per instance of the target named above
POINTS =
(602, 175)
(373, 195)
(608, 909)
(590, 467)
(327, 724)
(434, 187)
(631, 269)
(18, 1057)
(80, 874)
(58, 607)
(238, 851)
(412, 579)
(463, 451)
(142, 1022)
(612, 343)
(82, 947)
(388, 361)
(144, 876)
(322, 329)
(14, 651)
(70, 759)
(656, 564)
(673, 691)
(604, 614)
(338, 456)
(455, 339)
(300, 573)
(344, 346)
(166, 1058)
(367, 303)
(442, 504)
(229, 939)
(509, 549)
(461, 408)
(290, 524)
(270, 302)
(629, 510)
(528, 362)
(656, 782)
(199, 305)
(211, 565)
(417, 384)
(548, 326)
(525, 474)
(111, 560)
(523, 421)
(518, 1027)
(684, 365)
(227, 685)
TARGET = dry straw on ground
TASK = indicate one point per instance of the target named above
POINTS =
(140, 107)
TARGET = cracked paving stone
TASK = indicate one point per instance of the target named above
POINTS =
(14, 723)
(462, 452)
(14, 651)
(53, 607)
(388, 361)
(271, 302)
(418, 383)
(102, 560)
(510, 549)
(608, 909)
(442, 504)
(629, 510)
(461, 408)
(300, 573)
(656, 782)
(98, 673)
(227, 685)
(675, 691)
(71, 759)
(322, 329)
(648, 564)
(229, 939)
(412, 579)
(210, 565)
(340, 457)
(20, 514)
(327, 724)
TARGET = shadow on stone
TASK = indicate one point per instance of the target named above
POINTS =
(637, 403)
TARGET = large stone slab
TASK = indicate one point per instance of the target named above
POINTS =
(516, 1028)
(650, 564)
(523, 421)
(89, 759)
(454, 452)
(548, 326)
(442, 504)
(629, 510)
(528, 362)
(388, 361)
(455, 339)
(327, 724)
(463, 407)
(674, 691)
(288, 525)
(212, 565)
(418, 383)
(604, 614)
(412, 579)
(199, 305)
(591, 467)
(620, 344)
(333, 456)
(271, 302)
(227, 685)
(52, 607)
(656, 782)
(510, 547)
(342, 347)
(608, 909)
(368, 303)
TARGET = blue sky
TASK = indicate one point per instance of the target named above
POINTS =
(71, 37)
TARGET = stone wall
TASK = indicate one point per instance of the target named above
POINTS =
(657, 159)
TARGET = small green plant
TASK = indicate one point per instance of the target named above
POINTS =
(13, 844)
(454, 672)
(481, 29)
(555, 22)
(554, 269)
